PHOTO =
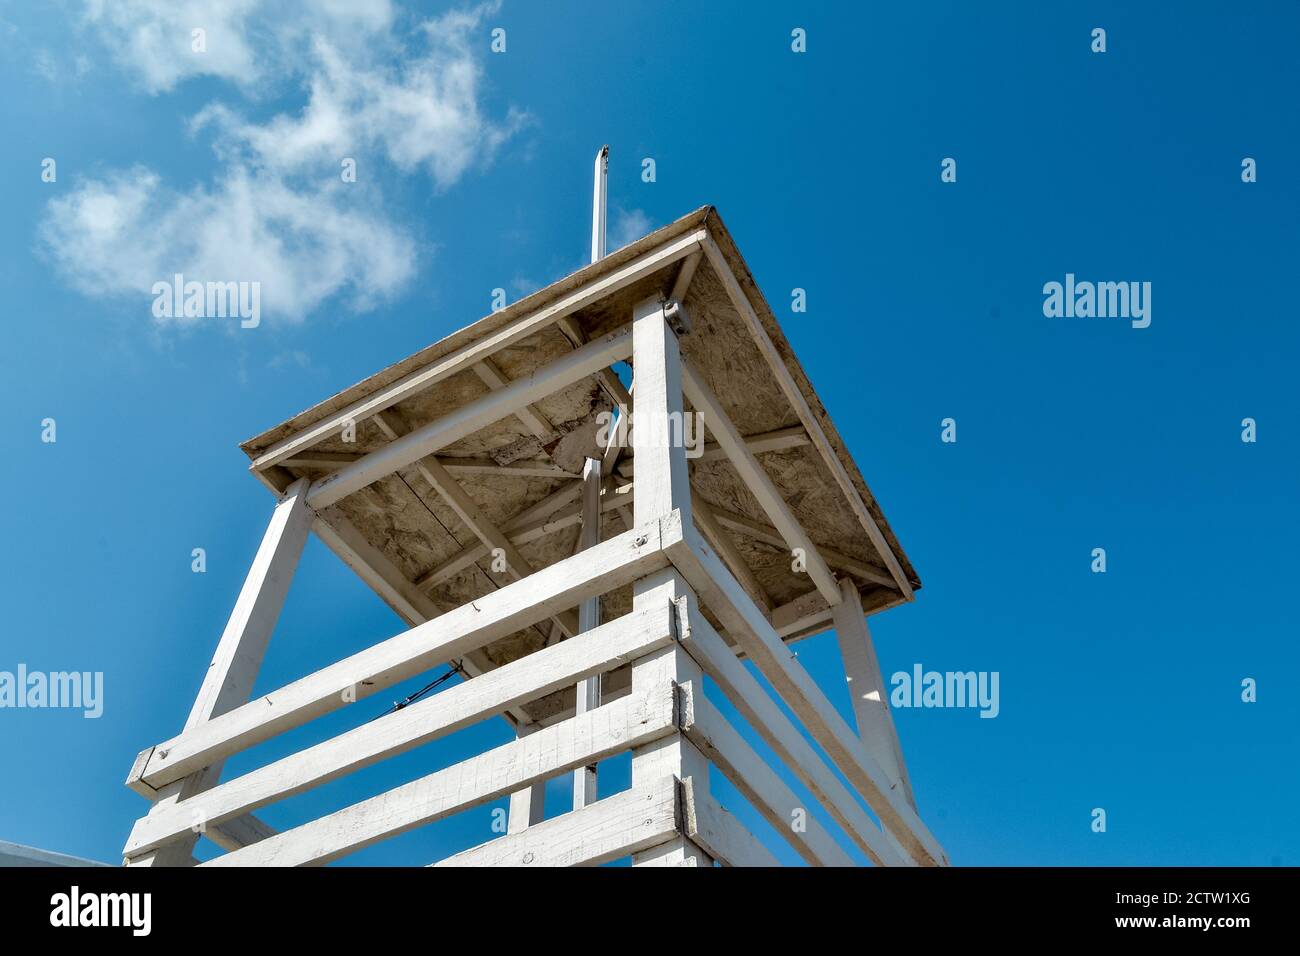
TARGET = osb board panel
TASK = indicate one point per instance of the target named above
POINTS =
(724, 354)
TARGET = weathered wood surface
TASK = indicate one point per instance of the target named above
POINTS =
(600, 733)
(603, 831)
(610, 564)
(705, 726)
(724, 596)
(445, 713)
(473, 353)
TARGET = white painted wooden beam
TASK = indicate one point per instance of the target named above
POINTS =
(443, 484)
(331, 461)
(600, 190)
(780, 439)
(723, 595)
(685, 273)
(610, 564)
(440, 715)
(722, 836)
(836, 559)
(588, 689)
(803, 612)
(229, 679)
(521, 534)
(662, 487)
(757, 706)
(867, 689)
(465, 358)
(800, 403)
(527, 806)
(608, 378)
(469, 418)
(239, 832)
(708, 523)
(607, 830)
(231, 674)
(662, 483)
(603, 732)
(757, 481)
(531, 417)
(386, 580)
(704, 726)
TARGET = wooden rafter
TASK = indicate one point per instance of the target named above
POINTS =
(800, 403)
(517, 566)
(469, 418)
(756, 479)
(530, 416)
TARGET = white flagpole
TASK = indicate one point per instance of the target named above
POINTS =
(598, 204)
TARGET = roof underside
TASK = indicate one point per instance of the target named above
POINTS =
(413, 526)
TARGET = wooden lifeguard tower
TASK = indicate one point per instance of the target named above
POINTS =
(584, 579)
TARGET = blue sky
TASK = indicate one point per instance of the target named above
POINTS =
(1119, 690)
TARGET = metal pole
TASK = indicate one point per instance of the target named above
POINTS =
(588, 696)
(598, 204)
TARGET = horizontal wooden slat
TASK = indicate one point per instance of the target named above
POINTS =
(723, 595)
(718, 832)
(757, 480)
(330, 461)
(517, 682)
(388, 581)
(373, 567)
(609, 565)
(231, 834)
(601, 832)
(523, 532)
(719, 662)
(705, 727)
(799, 614)
(581, 740)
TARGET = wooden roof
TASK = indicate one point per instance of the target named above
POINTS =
(745, 360)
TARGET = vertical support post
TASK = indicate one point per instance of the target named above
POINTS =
(230, 677)
(867, 688)
(662, 486)
(588, 691)
(527, 806)
(598, 200)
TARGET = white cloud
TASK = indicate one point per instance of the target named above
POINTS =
(280, 214)
(154, 38)
(629, 226)
(122, 234)
(423, 112)
(60, 71)
(244, 41)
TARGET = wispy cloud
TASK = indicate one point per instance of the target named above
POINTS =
(124, 233)
(280, 213)
(629, 226)
(247, 42)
